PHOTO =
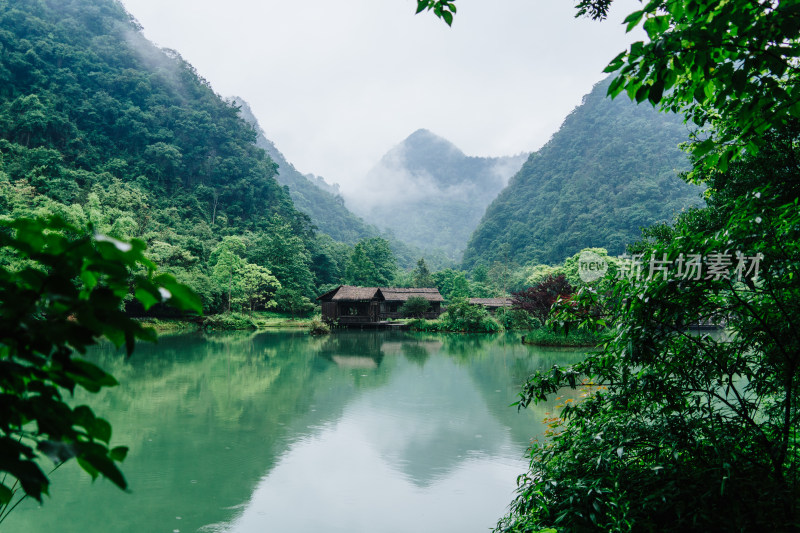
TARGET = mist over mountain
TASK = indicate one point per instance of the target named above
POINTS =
(311, 194)
(611, 169)
(428, 193)
(324, 204)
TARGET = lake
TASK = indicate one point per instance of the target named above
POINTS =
(279, 431)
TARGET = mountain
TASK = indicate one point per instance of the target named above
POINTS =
(430, 194)
(324, 204)
(105, 129)
(611, 169)
(312, 194)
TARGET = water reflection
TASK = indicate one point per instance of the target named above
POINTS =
(359, 431)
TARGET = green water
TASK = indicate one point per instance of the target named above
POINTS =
(279, 431)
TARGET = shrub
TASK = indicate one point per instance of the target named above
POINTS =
(546, 337)
(538, 300)
(229, 321)
(463, 316)
(319, 327)
(415, 307)
(516, 319)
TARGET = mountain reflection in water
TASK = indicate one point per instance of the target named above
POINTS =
(279, 431)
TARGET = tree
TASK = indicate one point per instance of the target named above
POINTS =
(285, 254)
(226, 261)
(463, 316)
(60, 292)
(452, 284)
(415, 307)
(372, 263)
(677, 426)
(538, 300)
(258, 286)
(422, 276)
(293, 302)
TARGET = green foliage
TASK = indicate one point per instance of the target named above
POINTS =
(247, 285)
(223, 321)
(463, 316)
(422, 275)
(609, 171)
(545, 336)
(415, 306)
(452, 284)
(292, 302)
(444, 9)
(516, 319)
(372, 264)
(60, 292)
(99, 126)
(429, 326)
(678, 425)
(729, 67)
(285, 254)
(460, 316)
(319, 327)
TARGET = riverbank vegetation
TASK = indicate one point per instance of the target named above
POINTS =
(60, 292)
(682, 431)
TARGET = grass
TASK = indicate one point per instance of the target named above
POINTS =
(271, 319)
(230, 321)
(165, 325)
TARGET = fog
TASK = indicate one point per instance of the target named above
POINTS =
(336, 84)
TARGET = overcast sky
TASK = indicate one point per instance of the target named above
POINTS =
(336, 84)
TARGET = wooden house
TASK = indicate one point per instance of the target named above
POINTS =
(348, 305)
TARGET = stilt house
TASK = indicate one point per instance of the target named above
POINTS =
(349, 305)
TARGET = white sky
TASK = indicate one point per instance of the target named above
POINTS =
(336, 83)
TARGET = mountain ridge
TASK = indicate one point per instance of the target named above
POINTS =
(429, 176)
(610, 169)
(315, 197)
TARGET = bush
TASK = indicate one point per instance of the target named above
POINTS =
(430, 326)
(463, 316)
(538, 300)
(516, 319)
(229, 321)
(546, 337)
(415, 306)
(319, 327)
(294, 303)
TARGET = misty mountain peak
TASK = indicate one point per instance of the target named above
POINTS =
(425, 149)
(447, 190)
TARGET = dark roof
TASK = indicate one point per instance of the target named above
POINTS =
(491, 302)
(403, 294)
(349, 293)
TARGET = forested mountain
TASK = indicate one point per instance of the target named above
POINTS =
(312, 196)
(610, 170)
(429, 193)
(103, 128)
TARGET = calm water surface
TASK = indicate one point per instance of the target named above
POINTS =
(278, 431)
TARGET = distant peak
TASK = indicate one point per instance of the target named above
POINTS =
(424, 140)
(421, 132)
(424, 135)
